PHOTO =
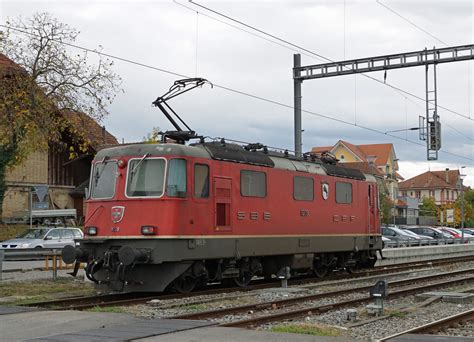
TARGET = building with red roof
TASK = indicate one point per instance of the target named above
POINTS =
(443, 186)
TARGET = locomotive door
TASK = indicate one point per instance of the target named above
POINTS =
(222, 206)
(372, 205)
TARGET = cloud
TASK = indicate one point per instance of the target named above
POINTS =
(164, 35)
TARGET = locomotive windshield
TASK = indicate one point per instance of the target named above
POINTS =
(146, 177)
(103, 179)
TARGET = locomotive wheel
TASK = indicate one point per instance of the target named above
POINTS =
(185, 283)
(244, 278)
(321, 271)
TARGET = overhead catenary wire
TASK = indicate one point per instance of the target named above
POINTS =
(411, 22)
(300, 48)
(313, 55)
(236, 91)
(246, 31)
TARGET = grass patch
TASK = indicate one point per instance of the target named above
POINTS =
(112, 309)
(398, 314)
(195, 307)
(11, 231)
(44, 289)
(308, 329)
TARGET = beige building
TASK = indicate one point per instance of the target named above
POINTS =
(382, 156)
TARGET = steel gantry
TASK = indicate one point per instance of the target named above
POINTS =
(430, 128)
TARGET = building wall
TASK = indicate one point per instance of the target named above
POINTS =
(16, 201)
(19, 179)
(34, 170)
(344, 155)
(440, 195)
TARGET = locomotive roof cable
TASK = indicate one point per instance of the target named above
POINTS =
(239, 92)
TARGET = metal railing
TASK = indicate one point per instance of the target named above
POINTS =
(28, 254)
(426, 242)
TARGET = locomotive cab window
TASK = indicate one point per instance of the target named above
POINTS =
(201, 181)
(176, 178)
(253, 183)
(103, 179)
(145, 177)
(303, 188)
(343, 193)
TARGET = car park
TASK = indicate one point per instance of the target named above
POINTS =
(44, 237)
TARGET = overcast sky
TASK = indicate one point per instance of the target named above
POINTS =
(166, 35)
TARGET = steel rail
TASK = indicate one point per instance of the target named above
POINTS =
(83, 303)
(324, 308)
(436, 326)
(302, 299)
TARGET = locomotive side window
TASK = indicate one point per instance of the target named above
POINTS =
(303, 188)
(176, 178)
(343, 193)
(145, 177)
(103, 180)
(201, 181)
(253, 183)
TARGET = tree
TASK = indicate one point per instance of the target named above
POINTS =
(428, 207)
(468, 210)
(153, 137)
(386, 207)
(45, 78)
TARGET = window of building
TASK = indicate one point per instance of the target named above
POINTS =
(418, 194)
(341, 157)
(253, 183)
(201, 181)
(431, 193)
(176, 178)
(303, 188)
(343, 193)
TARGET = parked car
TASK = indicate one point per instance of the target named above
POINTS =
(423, 239)
(432, 232)
(396, 234)
(456, 232)
(45, 237)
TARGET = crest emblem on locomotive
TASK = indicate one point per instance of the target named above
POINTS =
(117, 214)
(325, 191)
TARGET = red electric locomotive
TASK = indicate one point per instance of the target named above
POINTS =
(174, 215)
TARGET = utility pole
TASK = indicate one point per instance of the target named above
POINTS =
(462, 204)
(297, 104)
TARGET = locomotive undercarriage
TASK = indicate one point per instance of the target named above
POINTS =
(185, 264)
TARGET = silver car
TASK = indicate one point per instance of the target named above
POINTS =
(44, 237)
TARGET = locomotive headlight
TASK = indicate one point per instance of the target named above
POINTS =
(149, 230)
(122, 163)
(91, 230)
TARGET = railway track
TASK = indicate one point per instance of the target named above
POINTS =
(436, 326)
(124, 299)
(289, 314)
